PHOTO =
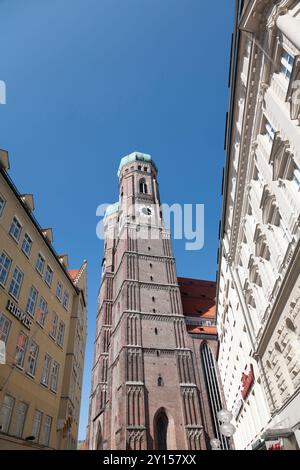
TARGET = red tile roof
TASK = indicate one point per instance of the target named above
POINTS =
(73, 273)
(198, 297)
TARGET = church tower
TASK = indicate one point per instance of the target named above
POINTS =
(144, 391)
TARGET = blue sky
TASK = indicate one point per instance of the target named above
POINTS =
(89, 81)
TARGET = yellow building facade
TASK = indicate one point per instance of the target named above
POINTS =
(42, 330)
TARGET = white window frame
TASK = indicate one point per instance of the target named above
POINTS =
(20, 418)
(25, 243)
(40, 256)
(66, 300)
(46, 431)
(37, 424)
(3, 204)
(5, 330)
(286, 65)
(31, 302)
(54, 316)
(21, 352)
(49, 284)
(15, 218)
(32, 357)
(6, 268)
(10, 408)
(270, 131)
(61, 333)
(42, 312)
(14, 283)
(47, 367)
(54, 376)
(59, 296)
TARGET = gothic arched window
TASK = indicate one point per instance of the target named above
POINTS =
(143, 186)
(160, 382)
(161, 428)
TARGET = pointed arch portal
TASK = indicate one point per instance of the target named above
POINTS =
(161, 428)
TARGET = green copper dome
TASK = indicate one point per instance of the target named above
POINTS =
(133, 157)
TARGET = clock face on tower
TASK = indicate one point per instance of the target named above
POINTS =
(146, 210)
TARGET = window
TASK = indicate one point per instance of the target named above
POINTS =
(5, 264)
(54, 376)
(6, 413)
(2, 204)
(48, 276)
(145, 168)
(32, 358)
(15, 229)
(61, 334)
(155, 330)
(139, 167)
(296, 177)
(42, 311)
(40, 264)
(31, 302)
(20, 418)
(21, 349)
(66, 300)
(46, 370)
(269, 132)
(27, 245)
(59, 290)
(16, 283)
(53, 326)
(5, 324)
(46, 430)
(37, 421)
(143, 186)
(287, 62)
(161, 431)
(160, 382)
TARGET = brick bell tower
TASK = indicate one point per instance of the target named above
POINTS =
(144, 392)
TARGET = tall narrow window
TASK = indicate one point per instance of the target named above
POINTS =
(16, 283)
(2, 204)
(46, 431)
(31, 302)
(36, 426)
(6, 413)
(53, 327)
(214, 397)
(40, 264)
(46, 369)
(161, 427)
(48, 276)
(20, 418)
(27, 245)
(61, 334)
(5, 324)
(15, 229)
(143, 186)
(59, 290)
(5, 264)
(54, 376)
(42, 311)
(21, 349)
(32, 358)
(287, 61)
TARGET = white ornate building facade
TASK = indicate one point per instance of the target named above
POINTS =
(259, 260)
